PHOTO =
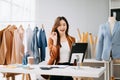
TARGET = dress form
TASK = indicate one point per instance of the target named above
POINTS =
(111, 21)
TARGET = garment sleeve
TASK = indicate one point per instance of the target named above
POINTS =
(99, 46)
(3, 49)
(53, 51)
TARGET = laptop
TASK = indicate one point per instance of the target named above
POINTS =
(78, 51)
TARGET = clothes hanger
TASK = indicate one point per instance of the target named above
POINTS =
(28, 25)
(42, 27)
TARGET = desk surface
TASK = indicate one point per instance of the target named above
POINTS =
(94, 61)
(85, 61)
(16, 68)
(83, 71)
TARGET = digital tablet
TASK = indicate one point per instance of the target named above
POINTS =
(78, 51)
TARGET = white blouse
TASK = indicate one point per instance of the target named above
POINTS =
(64, 52)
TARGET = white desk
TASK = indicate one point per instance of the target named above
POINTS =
(106, 65)
(14, 69)
(84, 71)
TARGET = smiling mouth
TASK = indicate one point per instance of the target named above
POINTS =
(62, 30)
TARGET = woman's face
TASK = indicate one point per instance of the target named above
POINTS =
(62, 28)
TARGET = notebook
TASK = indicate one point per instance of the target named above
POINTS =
(78, 51)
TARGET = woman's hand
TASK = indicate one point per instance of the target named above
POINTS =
(53, 36)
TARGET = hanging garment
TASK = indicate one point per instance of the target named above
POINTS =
(34, 46)
(18, 47)
(9, 40)
(107, 42)
(6, 45)
(28, 39)
(42, 43)
(1, 33)
(3, 45)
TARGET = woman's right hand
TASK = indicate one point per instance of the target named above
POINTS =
(53, 36)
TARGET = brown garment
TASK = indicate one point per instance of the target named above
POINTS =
(18, 47)
(1, 50)
(55, 50)
(5, 46)
(1, 33)
(9, 39)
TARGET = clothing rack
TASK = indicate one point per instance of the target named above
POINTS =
(17, 23)
(14, 21)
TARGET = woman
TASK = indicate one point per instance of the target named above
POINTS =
(60, 43)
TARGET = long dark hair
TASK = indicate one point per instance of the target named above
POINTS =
(56, 25)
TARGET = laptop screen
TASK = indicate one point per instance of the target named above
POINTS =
(78, 51)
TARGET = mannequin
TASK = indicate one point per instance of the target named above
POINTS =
(108, 39)
(111, 21)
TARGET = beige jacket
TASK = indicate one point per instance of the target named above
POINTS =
(6, 44)
(18, 47)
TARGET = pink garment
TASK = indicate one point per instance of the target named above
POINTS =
(18, 47)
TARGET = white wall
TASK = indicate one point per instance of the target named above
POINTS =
(86, 15)
(115, 4)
